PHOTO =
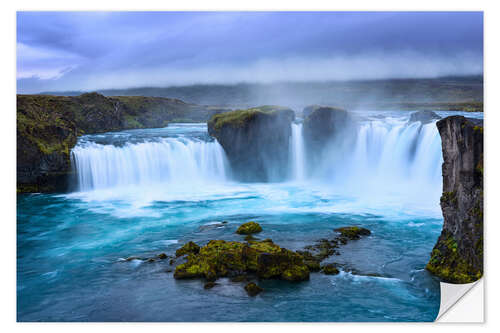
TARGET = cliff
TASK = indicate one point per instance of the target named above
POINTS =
(457, 256)
(256, 141)
(48, 127)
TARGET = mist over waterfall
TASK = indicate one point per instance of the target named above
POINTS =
(169, 161)
(387, 155)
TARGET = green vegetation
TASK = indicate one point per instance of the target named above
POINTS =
(223, 258)
(353, 232)
(449, 197)
(330, 269)
(188, 248)
(239, 118)
(249, 228)
(252, 289)
(447, 263)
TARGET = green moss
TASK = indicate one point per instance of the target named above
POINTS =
(313, 265)
(447, 263)
(249, 228)
(353, 232)
(221, 258)
(330, 269)
(449, 197)
(252, 289)
(188, 248)
(239, 118)
(296, 273)
(132, 122)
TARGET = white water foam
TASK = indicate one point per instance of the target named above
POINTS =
(168, 161)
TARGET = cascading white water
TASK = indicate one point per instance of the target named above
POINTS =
(380, 155)
(384, 156)
(169, 160)
(297, 154)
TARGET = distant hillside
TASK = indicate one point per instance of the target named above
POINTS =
(348, 94)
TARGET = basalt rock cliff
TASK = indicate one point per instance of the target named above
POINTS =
(256, 141)
(322, 125)
(48, 127)
(457, 256)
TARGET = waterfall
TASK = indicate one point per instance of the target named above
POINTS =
(169, 160)
(297, 163)
(384, 156)
(375, 156)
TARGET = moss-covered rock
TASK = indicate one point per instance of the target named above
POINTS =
(223, 258)
(323, 248)
(330, 269)
(209, 285)
(249, 228)
(313, 265)
(239, 278)
(252, 289)
(162, 256)
(250, 238)
(188, 248)
(457, 256)
(256, 141)
(353, 233)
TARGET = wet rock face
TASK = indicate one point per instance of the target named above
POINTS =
(457, 256)
(255, 140)
(322, 126)
(424, 117)
(321, 123)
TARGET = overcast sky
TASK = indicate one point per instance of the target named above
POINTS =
(98, 50)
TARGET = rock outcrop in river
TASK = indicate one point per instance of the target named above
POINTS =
(48, 126)
(322, 124)
(223, 258)
(457, 256)
(256, 141)
(424, 116)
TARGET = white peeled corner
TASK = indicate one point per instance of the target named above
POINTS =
(462, 303)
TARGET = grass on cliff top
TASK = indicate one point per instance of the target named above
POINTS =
(238, 118)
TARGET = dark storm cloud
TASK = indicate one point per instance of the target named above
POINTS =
(95, 50)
